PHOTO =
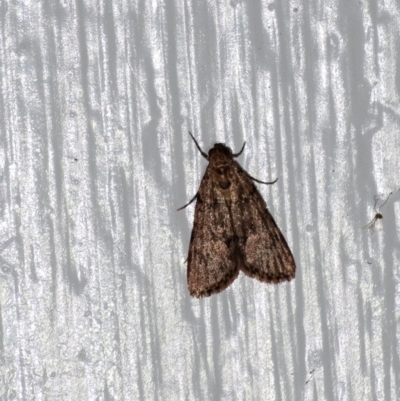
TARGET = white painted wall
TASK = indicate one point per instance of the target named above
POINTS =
(96, 98)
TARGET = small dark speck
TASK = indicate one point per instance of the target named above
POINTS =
(370, 263)
(333, 171)
(82, 355)
(53, 375)
(295, 9)
(75, 159)
(72, 114)
(271, 7)
(310, 372)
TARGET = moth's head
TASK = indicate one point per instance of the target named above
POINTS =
(220, 162)
(220, 148)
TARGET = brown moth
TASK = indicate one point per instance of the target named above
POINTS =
(378, 216)
(233, 230)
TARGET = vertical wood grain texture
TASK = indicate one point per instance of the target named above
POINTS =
(96, 98)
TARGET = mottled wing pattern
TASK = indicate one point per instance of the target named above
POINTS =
(213, 259)
(266, 255)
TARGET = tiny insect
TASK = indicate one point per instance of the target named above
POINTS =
(378, 216)
(233, 230)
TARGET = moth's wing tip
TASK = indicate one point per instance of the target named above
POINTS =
(197, 295)
(272, 278)
(215, 288)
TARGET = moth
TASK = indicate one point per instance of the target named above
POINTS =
(233, 230)
(378, 216)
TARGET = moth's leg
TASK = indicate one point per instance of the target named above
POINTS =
(262, 182)
(187, 204)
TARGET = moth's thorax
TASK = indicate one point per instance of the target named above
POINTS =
(221, 163)
(220, 148)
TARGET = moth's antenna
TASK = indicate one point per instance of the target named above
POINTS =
(241, 150)
(262, 182)
(198, 147)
